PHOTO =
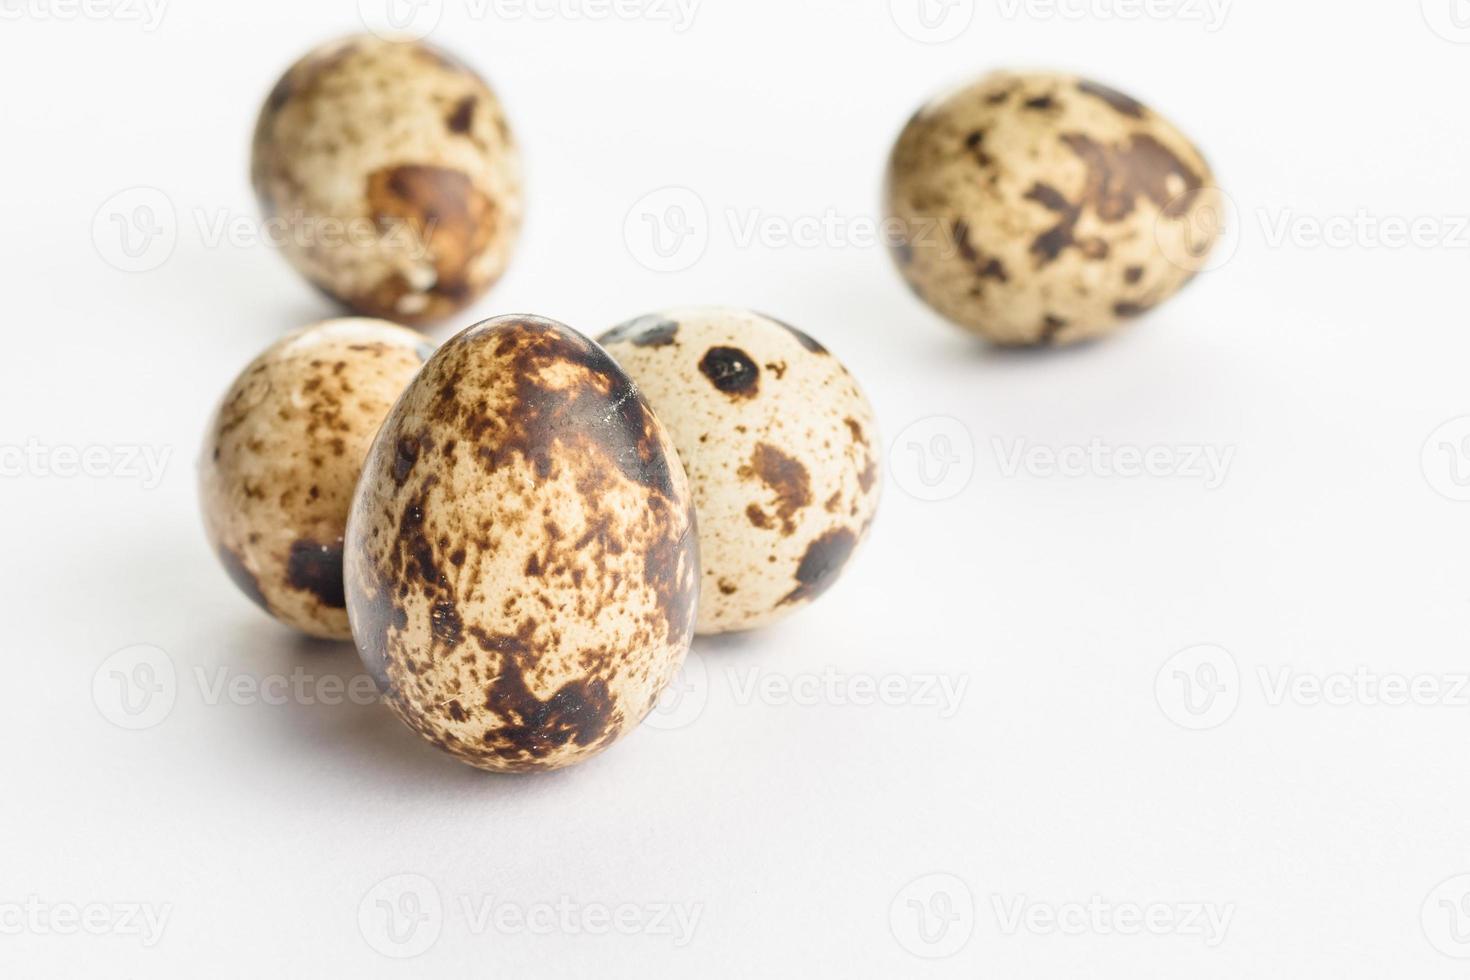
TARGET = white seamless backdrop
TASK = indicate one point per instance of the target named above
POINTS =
(1155, 664)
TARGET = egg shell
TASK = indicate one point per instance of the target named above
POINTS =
(522, 562)
(1042, 208)
(282, 457)
(781, 449)
(389, 176)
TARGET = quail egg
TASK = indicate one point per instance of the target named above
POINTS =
(522, 565)
(283, 455)
(1040, 208)
(781, 450)
(389, 177)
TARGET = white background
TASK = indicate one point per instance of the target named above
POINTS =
(808, 834)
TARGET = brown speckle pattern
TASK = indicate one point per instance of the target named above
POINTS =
(394, 172)
(781, 450)
(1041, 208)
(522, 563)
(282, 457)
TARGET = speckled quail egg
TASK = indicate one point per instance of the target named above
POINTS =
(283, 455)
(392, 175)
(1040, 208)
(781, 450)
(522, 565)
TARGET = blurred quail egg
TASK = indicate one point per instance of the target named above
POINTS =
(283, 455)
(390, 176)
(1041, 208)
(781, 450)
(522, 566)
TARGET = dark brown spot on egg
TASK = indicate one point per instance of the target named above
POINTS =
(731, 370)
(821, 564)
(1129, 107)
(986, 267)
(1142, 167)
(605, 402)
(445, 623)
(787, 478)
(1050, 327)
(446, 214)
(243, 578)
(579, 712)
(670, 567)
(463, 116)
(1133, 274)
(317, 568)
(1050, 244)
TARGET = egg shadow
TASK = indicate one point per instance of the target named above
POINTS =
(726, 644)
(358, 731)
